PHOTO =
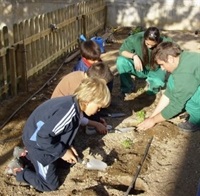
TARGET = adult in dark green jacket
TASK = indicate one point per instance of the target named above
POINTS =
(134, 59)
(183, 87)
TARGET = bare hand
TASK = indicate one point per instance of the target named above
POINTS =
(146, 124)
(103, 122)
(101, 128)
(74, 151)
(138, 63)
(69, 156)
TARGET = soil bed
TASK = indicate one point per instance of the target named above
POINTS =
(170, 169)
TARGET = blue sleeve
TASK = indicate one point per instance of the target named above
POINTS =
(51, 134)
(80, 66)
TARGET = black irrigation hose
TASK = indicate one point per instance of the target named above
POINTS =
(21, 106)
(139, 168)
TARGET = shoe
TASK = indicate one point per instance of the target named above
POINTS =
(188, 127)
(90, 130)
(19, 152)
(14, 167)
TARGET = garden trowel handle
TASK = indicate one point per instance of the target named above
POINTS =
(116, 115)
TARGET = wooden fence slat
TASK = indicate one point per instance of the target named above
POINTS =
(84, 26)
(36, 45)
(32, 45)
(46, 39)
(4, 87)
(26, 26)
(41, 22)
(54, 33)
(6, 36)
(16, 33)
(38, 41)
(21, 63)
(27, 32)
(21, 31)
(41, 55)
(13, 71)
(57, 21)
(4, 75)
(59, 34)
(48, 49)
(1, 39)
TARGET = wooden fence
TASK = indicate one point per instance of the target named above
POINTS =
(40, 40)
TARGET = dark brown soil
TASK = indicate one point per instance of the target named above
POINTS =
(171, 168)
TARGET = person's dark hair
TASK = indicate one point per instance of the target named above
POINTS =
(100, 70)
(90, 50)
(153, 34)
(164, 49)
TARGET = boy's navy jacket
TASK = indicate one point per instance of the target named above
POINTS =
(51, 128)
(80, 66)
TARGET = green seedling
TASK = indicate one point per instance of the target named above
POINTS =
(140, 116)
(127, 143)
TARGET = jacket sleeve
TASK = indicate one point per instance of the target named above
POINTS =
(54, 135)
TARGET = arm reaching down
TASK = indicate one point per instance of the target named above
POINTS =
(150, 122)
(163, 102)
(156, 116)
(99, 126)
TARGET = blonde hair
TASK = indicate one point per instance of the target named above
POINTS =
(93, 90)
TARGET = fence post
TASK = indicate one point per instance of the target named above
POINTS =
(13, 71)
(4, 42)
(84, 25)
(5, 36)
(106, 14)
(22, 65)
